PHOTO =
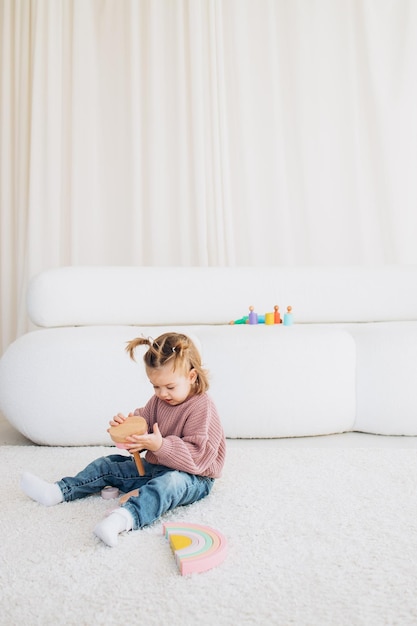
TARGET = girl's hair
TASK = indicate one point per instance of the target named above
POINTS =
(172, 348)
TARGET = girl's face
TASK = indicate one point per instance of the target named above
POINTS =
(173, 387)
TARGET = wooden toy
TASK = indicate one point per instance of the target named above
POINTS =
(130, 494)
(242, 320)
(277, 315)
(288, 320)
(108, 493)
(269, 319)
(133, 425)
(197, 548)
(253, 317)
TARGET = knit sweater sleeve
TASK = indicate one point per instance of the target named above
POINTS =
(193, 440)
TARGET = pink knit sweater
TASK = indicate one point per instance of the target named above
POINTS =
(193, 437)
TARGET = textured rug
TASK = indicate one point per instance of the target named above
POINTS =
(315, 537)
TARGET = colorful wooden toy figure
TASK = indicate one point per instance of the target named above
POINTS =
(269, 319)
(277, 315)
(133, 425)
(242, 320)
(288, 320)
(253, 317)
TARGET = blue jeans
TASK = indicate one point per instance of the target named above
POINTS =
(160, 489)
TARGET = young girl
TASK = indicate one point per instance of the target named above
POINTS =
(185, 445)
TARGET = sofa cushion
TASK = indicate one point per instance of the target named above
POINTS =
(61, 386)
(75, 296)
(386, 377)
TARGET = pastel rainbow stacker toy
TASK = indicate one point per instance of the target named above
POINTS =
(197, 548)
(133, 425)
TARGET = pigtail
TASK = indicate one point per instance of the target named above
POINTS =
(173, 348)
(134, 343)
(180, 347)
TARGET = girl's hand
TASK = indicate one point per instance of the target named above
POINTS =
(120, 418)
(148, 441)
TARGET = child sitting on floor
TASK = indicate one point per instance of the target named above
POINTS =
(185, 445)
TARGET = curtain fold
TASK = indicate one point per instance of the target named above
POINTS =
(204, 132)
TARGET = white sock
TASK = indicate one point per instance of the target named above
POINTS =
(41, 491)
(110, 527)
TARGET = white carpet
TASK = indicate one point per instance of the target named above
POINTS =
(316, 537)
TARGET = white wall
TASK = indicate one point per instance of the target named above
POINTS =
(204, 132)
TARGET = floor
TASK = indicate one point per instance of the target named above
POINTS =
(10, 436)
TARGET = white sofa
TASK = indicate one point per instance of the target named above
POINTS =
(348, 363)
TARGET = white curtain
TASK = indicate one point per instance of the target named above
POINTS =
(204, 132)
